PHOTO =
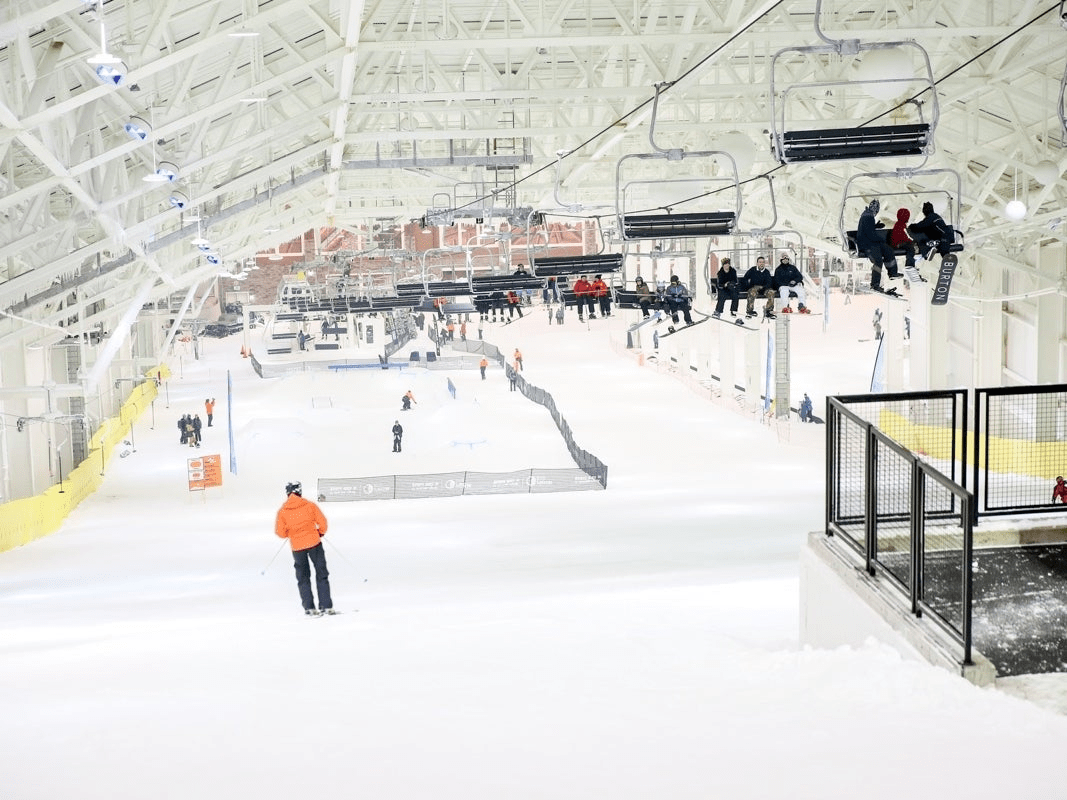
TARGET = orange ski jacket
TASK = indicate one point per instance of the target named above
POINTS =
(301, 522)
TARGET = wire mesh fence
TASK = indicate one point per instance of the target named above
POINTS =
(1020, 448)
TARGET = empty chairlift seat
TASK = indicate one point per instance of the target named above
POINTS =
(873, 141)
(673, 226)
(555, 266)
(827, 117)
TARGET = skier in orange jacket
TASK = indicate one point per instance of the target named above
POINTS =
(303, 524)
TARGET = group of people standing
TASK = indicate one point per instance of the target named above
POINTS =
(190, 425)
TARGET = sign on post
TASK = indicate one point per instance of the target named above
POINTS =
(205, 472)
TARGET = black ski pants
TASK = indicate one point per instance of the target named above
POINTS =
(302, 561)
(727, 292)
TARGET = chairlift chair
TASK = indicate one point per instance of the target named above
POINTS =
(826, 139)
(950, 192)
(545, 266)
(660, 221)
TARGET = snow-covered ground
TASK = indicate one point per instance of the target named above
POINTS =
(639, 642)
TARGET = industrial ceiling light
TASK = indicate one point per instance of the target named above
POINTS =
(162, 171)
(178, 200)
(114, 74)
(200, 241)
(166, 172)
(137, 129)
(103, 58)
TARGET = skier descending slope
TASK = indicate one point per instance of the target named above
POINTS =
(303, 524)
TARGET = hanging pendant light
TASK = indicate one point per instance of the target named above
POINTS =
(1015, 209)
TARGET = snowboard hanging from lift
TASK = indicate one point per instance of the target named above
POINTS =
(944, 279)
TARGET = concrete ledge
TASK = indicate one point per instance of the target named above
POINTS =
(997, 533)
(842, 605)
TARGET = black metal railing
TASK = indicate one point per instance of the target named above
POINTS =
(904, 518)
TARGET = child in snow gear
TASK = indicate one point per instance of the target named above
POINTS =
(303, 524)
(1059, 491)
(677, 297)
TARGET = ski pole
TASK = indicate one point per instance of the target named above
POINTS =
(342, 555)
(264, 572)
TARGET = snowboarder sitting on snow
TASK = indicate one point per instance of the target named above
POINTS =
(1060, 491)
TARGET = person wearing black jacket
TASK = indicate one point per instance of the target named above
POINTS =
(758, 282)
(398, 433)
(931, 232)
(726, 280)
(789, 281)
(869, 242)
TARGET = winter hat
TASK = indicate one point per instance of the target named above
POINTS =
(874, 206)
(294, 488)
(928, 207)
(726, 261)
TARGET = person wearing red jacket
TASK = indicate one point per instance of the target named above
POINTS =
(1059, 491)
(303, 524)
(583, 295)
(600, 291)
(900, 239)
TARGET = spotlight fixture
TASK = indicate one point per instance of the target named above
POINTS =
(178, 200)
(137, 129)
(114, 74)
(166, 172)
